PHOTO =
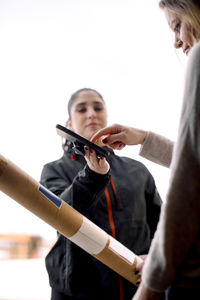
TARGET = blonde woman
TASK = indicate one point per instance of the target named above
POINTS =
(173, 264)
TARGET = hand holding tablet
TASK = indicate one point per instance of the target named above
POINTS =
(80, 142)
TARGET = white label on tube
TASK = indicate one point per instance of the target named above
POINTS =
(90, 237)
(124, 252)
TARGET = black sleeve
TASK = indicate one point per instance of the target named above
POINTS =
(153, 205)
(82, 193)
(54, 178)
(85, 190)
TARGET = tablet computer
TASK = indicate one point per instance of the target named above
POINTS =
(79, 142)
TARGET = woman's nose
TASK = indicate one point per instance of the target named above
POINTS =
(177, 43)
(91, 113)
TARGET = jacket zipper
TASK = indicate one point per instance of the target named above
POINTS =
(112, 226)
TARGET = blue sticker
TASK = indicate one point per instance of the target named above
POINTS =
(52, 197)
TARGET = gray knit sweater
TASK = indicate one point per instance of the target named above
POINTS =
(175, 252)
(157, 149)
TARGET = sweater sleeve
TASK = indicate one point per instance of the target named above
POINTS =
(176, 244)
(158, 149)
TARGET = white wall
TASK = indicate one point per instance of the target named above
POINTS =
(50, 48)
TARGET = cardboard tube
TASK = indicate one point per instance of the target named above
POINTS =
(53, 210)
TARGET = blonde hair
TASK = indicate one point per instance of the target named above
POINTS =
(189, 10)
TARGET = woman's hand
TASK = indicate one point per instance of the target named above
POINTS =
(144, 293)
(96, 164)
(117, 136)
(140, 267)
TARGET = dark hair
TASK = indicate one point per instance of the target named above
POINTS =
(76, 94)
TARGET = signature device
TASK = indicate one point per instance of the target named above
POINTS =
(79, 142)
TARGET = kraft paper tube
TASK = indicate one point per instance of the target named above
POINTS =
(29, 193)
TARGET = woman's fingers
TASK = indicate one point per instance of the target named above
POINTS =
(117, 145)
(121, 135)
(95, 163)
(110, 130)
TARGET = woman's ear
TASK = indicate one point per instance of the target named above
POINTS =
(69, 124)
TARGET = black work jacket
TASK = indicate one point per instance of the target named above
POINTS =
(125, 203)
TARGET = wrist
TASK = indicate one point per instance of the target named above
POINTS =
(97, 175)
(142, 136)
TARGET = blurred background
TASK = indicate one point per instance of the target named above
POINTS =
(49, 49)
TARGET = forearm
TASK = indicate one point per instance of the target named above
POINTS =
(85, 190)
(144, 293)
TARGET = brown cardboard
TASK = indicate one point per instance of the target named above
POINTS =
(25, 190)
(116, 263)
